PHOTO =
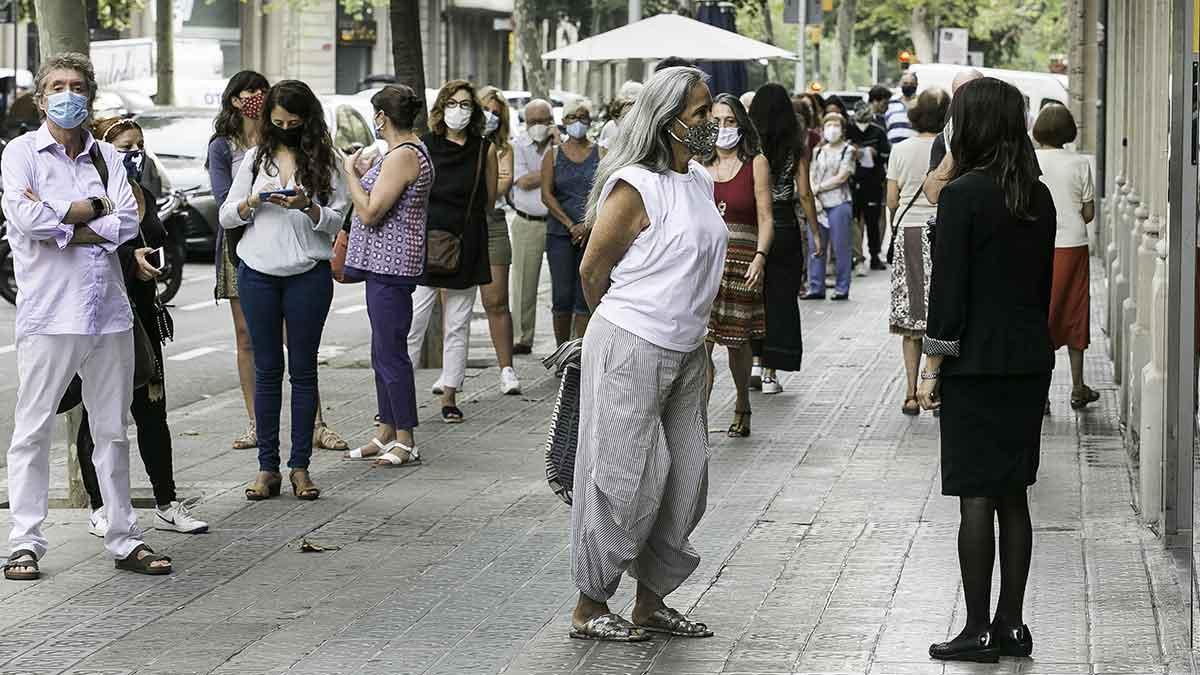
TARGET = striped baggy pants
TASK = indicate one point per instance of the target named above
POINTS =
(641, 469)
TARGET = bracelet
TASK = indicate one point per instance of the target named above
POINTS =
(929, 376)
(762, 253)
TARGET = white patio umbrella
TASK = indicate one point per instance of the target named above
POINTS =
(668, 35)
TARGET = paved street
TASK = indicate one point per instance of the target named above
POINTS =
(827, 547)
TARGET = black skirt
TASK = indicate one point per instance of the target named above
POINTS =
(783, 346)
(991, 433)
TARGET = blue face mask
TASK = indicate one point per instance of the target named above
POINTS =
(577, 129)
(135, 162)
(491, 123)
(67, 109)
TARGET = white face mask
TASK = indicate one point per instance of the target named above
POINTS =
(458, 118)
(833, 133)
(728, 137)
(577, 130)
(491, 122)
(539, 133)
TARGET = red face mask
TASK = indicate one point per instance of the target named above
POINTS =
(252, 107)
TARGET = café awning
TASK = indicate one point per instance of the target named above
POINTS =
(666, 35)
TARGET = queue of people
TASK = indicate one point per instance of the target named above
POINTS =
(697, 221)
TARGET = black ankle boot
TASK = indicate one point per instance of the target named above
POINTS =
(976, 647)
(1013, 640)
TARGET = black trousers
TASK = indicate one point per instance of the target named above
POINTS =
(868, 208)
(154, 445)
(783, 348)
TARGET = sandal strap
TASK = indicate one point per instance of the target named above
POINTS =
(21, 557)
(150, 556)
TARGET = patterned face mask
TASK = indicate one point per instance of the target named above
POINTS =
(700, 139)
(252, 107)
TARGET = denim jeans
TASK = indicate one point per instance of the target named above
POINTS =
(300, 302)
(566, 288)
(838, 234)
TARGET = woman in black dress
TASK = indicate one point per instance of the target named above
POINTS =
(990, 355)
(464, 188)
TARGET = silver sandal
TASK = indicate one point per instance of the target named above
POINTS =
(609, 628)
(671, 622)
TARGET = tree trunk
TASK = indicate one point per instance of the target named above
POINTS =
(529, 48)
(164, 33)
(764, 8)
(405, 19)
(922, 34)
(845, 44)
(62, 27)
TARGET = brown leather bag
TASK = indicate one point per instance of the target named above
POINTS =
(443, 248)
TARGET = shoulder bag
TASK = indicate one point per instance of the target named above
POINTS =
(443, 248)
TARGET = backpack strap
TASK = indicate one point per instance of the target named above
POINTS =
(99, 164)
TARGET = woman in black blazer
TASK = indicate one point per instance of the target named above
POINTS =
(990, 355)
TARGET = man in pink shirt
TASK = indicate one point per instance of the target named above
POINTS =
(73, 316)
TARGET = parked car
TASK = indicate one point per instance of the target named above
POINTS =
(178, 138)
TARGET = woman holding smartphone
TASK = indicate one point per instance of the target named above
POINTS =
(291, 198)
(141, 265)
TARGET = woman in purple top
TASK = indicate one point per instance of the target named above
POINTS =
(387, 249)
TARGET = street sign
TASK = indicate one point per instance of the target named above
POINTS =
(952, 45)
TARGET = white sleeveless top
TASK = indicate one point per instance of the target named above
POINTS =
(663, 288)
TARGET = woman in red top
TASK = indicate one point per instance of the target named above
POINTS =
(742, 190)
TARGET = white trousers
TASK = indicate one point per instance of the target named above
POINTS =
(456, 330)
(45, 366)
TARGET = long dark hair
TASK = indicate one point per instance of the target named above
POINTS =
(315, 156)
(778, 127)
(748, 146)
(229, 120)
(990, 136)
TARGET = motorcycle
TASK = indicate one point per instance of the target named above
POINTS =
(171, 208)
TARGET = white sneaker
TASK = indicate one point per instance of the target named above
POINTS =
(756, 376)
(510, 384)
(98, 523)
(771, 385)
(860, 270)
(178, 518)
(437, 389)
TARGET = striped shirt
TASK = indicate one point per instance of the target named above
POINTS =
(898, 126)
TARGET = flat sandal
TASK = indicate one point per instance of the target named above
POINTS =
(741, 424)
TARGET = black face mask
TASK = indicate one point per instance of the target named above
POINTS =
(908, 90)
(289, 137)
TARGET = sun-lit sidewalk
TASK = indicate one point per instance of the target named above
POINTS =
(827, 547)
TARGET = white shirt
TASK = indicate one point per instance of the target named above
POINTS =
(663, 288)
(527, 159)
(907, 166)
(66, 289)
(1069, 177)
(278, 241)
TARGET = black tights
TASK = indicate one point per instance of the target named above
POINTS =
(977, 555)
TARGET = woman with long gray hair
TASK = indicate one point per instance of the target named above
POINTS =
(652, 268)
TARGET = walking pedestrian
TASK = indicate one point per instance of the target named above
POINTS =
(1069, 177)
(829, 175)
(495, 294)
(149, 405)
(68, 206)
(529, 220)
(290, 197)
(742, 189)
(784, 144)
(651, 270)
(990, 356)
(238, 128)
(464, 187)
(898, 126)
(910, 213)
(387, 250)
(867, 183)
(568, 172)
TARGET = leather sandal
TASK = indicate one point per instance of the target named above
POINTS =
(1081, 397)
(741, 424)
(911, 407)
(451, 414)
(411, 456)
(302, 485)
(328, 439)
(247, 440)
(609, 628)
(266, 485)
(670, 622)
(22, 557)
(144, 564)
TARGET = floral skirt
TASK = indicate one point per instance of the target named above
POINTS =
(910, 282)
(737, 313)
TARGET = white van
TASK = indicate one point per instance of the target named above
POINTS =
(1040, 89)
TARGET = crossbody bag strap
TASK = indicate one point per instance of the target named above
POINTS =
(897, 219)
(101, 167)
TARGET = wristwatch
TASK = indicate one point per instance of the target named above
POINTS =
(97, 206)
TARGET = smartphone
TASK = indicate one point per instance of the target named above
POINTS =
(265, 196)
(155, 258)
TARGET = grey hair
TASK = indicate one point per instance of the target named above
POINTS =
(533, 103)
(643, 137)
(75, 61)
(573, 104)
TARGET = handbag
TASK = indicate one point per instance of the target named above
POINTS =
(443, 248)
(338, 262)
(563, 438)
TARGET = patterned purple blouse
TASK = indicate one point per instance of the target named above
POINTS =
(396, 245)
